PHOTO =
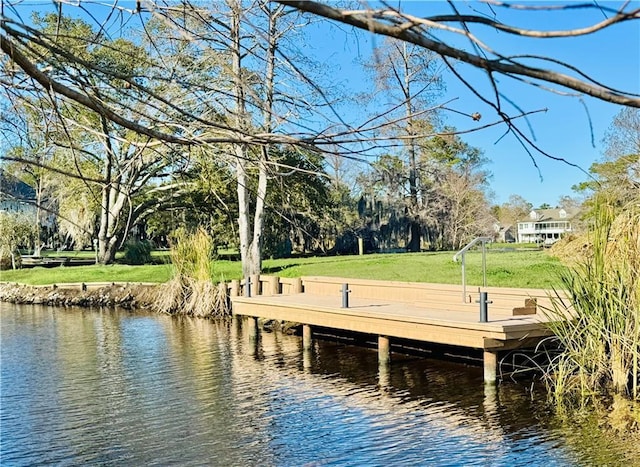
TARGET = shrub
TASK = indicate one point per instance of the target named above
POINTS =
(601, 340)
(16, 230)
(137, 251)
(191, 290)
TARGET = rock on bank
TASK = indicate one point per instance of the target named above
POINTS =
(108, 295)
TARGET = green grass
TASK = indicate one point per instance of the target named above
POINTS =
(158, 256)
(535, 269)
(111, 273)
(509, 269)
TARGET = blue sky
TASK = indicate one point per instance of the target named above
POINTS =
(564, 130)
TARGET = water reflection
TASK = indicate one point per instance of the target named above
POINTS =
(112, 388)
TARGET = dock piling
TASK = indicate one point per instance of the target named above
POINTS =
(306, 337)
(384, 351)
(490, 361)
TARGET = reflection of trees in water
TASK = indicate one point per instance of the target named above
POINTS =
(453, 391)
(156, 385)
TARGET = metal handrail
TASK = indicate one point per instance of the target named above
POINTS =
(462, 252)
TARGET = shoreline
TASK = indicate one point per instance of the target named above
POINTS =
(127, 295)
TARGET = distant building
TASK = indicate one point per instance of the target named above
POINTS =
(504, 233)
(545, 226)
(16, 196)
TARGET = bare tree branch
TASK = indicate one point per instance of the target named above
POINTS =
(391, 23)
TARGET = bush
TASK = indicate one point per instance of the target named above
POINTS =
(9, 260)
(137, 252)
(16, 230)
(191, 291)
(601, 340)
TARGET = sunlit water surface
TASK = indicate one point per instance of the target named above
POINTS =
(83, 387)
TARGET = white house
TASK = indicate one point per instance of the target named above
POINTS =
(16, 196)
(545, 226)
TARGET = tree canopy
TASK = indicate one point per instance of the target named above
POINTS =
(135, 97)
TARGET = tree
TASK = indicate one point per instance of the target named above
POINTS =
(16, 230)
(515, 209)
(452, 206)
(299, 204)
(25, 136)
(466, 206)
(408, 76)
(207, 112)
(106, 168)
(453, 171)
(618, 175)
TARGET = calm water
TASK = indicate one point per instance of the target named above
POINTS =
(86, 387)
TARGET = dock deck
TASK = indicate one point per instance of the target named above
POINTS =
(432, 313)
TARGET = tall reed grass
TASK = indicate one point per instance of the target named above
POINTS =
(191, 290)
(600, 340)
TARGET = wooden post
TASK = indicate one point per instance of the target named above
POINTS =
(384, 352)
(274, 286)
(297, 286)
(490, 360)
(234, 288)
(360, 246)
(256, 286)
(306, 337)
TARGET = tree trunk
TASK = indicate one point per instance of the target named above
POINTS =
(251, 234)
(415, 226)
(249, 249)
(414, 236)
(37, 245)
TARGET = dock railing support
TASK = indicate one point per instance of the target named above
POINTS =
(247, 287)
(345, 295)
(462, 253)
(484, 307)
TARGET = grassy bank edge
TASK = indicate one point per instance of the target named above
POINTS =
(527, 269)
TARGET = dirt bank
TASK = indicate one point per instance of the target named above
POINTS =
(127, 296)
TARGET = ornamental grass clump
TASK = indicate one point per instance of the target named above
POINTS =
(191, 291)
(600, 340)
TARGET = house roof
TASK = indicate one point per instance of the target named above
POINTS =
(15, 189)
(543, 215)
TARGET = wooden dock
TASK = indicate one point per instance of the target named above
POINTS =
(434, 313)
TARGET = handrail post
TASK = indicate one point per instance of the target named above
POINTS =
(484, 263)
(463, 252)
(464, 281)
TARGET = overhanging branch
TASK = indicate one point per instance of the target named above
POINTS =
(410, 31)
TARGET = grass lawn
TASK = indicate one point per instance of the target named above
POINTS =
(535, 269)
